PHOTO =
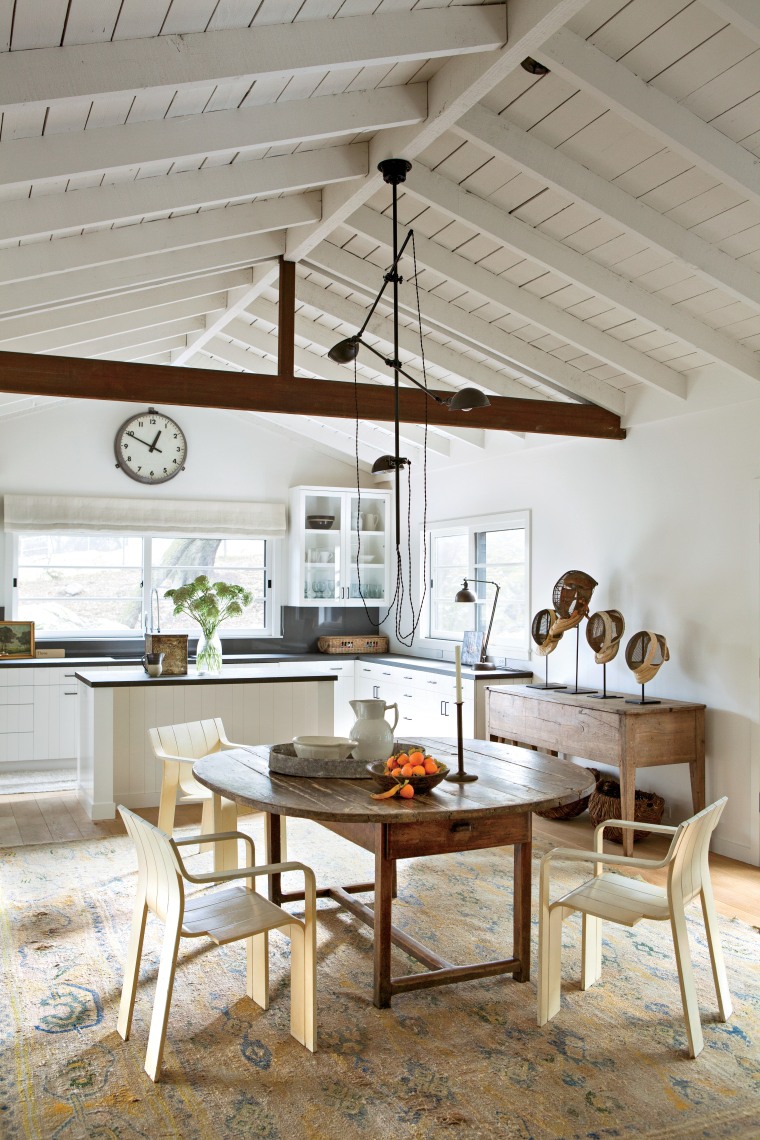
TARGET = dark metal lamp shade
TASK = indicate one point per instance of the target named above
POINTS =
(465, 594)
(466, 399)
(345, 351)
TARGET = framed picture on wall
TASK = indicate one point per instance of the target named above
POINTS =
(16, 639)
(472, 644)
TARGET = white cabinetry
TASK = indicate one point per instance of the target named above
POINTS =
(343, 671)
(16, 714)
(339, 546)
(426, 700)
(55, 713)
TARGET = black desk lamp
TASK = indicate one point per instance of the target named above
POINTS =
(466, 595)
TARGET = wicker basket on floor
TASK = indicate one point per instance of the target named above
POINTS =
(570, 811)
(605, 804)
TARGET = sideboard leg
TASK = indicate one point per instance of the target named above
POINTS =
(627, 801)
(384, 880)
(521, 908)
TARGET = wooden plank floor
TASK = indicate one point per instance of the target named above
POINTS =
(58, 817)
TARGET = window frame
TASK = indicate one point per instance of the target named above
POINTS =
(272, 561)
(509, 520)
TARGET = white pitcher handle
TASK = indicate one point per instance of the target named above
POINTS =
(395, 722)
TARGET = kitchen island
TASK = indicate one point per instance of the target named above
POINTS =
(259, 703)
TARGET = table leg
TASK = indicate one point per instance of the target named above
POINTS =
(521, 909)
(627, 801)
(224, 818)
(273, 854)
(697, 765)
(384, 881)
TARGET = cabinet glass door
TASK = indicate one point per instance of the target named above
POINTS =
(322, 522)
(368, 548)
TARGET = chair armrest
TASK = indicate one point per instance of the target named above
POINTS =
(227, 744)
(664, 828)
(571, 855)
(161, 755)
(212, 837)
(253, 872)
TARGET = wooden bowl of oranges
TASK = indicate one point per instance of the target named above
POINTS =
(407, 772)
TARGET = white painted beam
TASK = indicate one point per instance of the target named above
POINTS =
(743, 14)
(501, 138)
(122, 344)
(471, 330)
(453, 267)
(290, 122)
(119, 276)
(189, 190)
(262, 52)
(461, 205)
(643, 105)
(95, 314)
(47, 259)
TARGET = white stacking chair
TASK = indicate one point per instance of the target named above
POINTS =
(177, 747)
(226, 915)
(625, 900)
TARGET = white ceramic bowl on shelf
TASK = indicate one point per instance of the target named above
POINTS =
(323, 747)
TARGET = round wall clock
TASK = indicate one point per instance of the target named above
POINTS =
(150, 447)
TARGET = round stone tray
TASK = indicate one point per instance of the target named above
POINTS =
(283, 760)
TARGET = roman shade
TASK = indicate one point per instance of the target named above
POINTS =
(67, 514)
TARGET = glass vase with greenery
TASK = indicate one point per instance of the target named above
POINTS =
(209, 603)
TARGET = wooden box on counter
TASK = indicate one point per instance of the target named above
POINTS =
(174, 648)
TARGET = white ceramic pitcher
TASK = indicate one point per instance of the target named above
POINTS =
(372, 730)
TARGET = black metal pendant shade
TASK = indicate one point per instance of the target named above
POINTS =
(345, 351)
(466, 399)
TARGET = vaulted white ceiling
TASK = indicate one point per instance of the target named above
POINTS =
(589, 234)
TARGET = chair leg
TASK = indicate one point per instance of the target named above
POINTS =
(168, 800)
(549, 962)
(132, 967)
(163, 998)
(222, 817)
(686, 981)
(303, 988)
(716, 951)
(591, 952)
(257, 968)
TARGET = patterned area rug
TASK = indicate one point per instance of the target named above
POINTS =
(465, 1061)
(49, 780)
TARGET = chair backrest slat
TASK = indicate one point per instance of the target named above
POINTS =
(159, 870)
(193, 739)
(688, 854)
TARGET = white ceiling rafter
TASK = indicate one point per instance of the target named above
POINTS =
(511, 297)
(44, 75)
(499, 137)
(458, 203)
(642, 104)
(743, 14)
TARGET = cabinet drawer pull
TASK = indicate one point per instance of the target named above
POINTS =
(69, 674)
(461, 825)
(70, 693)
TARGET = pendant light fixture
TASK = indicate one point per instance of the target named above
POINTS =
(346, 351)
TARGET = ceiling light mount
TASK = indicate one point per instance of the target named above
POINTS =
(534, 67)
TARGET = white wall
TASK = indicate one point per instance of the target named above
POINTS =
(667, 523)
(67, 448)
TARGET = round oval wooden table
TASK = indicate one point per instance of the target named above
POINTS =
(494, 811)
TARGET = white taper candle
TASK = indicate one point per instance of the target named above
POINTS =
(458, 660)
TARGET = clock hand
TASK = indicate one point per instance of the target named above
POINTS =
(151, 447)
(155, 441)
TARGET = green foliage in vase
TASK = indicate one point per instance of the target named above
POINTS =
(209, 603)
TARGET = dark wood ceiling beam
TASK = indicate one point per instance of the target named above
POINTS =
(87, 379)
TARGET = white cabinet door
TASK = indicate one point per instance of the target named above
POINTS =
(16, 713)
(338, 546)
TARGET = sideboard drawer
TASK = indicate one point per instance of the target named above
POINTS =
(441, 836)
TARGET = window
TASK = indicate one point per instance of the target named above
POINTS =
(491, 548)
(100, 584)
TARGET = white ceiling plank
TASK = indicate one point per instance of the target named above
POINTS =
(119, 276)
(62, 317)
(91, 23)
(501, 138)
(29, 159)
(218, 185)
(502, 292)
(144, 351)
(743, 14)
(554, 255)
(38, 25)
(471, 330)
(168, 62)
(642, 104)
(44, 259)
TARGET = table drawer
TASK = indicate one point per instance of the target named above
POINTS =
(439, 837)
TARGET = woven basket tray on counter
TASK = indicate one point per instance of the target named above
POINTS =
(604, 804)
(353, 644)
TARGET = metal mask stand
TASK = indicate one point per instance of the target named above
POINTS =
(644, 700)
(604, 695)
(546, 684)
(576, 690)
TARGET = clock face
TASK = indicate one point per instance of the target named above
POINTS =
(150, 447)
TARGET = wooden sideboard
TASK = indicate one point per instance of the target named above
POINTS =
(628, 736)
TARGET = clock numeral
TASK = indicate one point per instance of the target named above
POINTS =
(139, 468)
(140, 423)
(179, 448)
(174, 461)
(151, 421)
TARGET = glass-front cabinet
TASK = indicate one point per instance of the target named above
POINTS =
(339, 546)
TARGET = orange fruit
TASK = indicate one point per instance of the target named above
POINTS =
(416, 757)
(407, 791)
(406, 770)
(402, 758)
(418, 770)
(390, 762)
(429, 767)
